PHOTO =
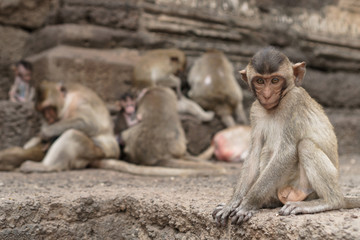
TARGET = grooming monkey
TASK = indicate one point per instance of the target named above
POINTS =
(81, 123)
(158, 140)
(293, 161)
(214, 87)
(161, 67)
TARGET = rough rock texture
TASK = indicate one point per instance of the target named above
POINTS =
(347, 128)
(108, 72)
(27, 14)
(18, 123)
(87, 36)
(98, 204)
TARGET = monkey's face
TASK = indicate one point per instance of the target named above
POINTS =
(268, 89)
(50, 114)
(23, 73)
(49, 100)
(128, 105)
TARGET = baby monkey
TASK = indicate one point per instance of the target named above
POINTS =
(293, 160)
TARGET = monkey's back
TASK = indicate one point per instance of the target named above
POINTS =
(212, 81)
(159, 135)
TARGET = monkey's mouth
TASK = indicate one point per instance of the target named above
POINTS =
(269, 105)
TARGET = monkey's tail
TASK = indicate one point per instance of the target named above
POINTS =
(122, 166)
(352, 202)
(207, 154)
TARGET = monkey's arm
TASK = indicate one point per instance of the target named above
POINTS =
(249, 174)
(266, 183)
(60, 127)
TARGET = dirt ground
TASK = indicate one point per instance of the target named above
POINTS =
(99, 204)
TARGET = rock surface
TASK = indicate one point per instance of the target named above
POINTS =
(18, 123)
(99, 204)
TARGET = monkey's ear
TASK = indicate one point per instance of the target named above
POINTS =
(243, 76)
(60, 87)
(299, 72)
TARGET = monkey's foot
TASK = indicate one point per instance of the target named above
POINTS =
(30, 166)
(240, 215)
(221, 214)
(292, 208)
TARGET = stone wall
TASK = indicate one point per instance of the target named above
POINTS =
(325, 34)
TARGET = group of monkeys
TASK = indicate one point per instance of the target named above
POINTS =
(292, 160)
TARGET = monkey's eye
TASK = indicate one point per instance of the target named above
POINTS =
(275, 80)
(260, 81)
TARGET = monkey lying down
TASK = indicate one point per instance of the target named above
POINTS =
(79, 133)
(293, 160)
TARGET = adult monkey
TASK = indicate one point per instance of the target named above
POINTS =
(80, 120)
(158, 141)
(161, 67)
(215, 88)
(293, 158)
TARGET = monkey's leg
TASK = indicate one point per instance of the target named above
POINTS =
(240, 114)
(265, 187)
(186, 105)
(12, 158)
(323, 177)
(72, 150)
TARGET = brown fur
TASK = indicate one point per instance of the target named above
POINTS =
(293, 156)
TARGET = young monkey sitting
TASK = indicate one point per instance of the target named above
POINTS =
(21, 90)
(126, 117)
(293, 160)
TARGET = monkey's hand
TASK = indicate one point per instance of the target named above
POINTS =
(241, 214)
(221, 214)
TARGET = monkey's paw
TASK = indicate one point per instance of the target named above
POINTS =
(291, 208)
(221, 214)
(240, 215)
(30, 166)
(27, 167)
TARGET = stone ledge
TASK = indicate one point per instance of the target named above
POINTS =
(98, 204)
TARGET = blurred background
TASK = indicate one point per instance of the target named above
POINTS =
(97, 44)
